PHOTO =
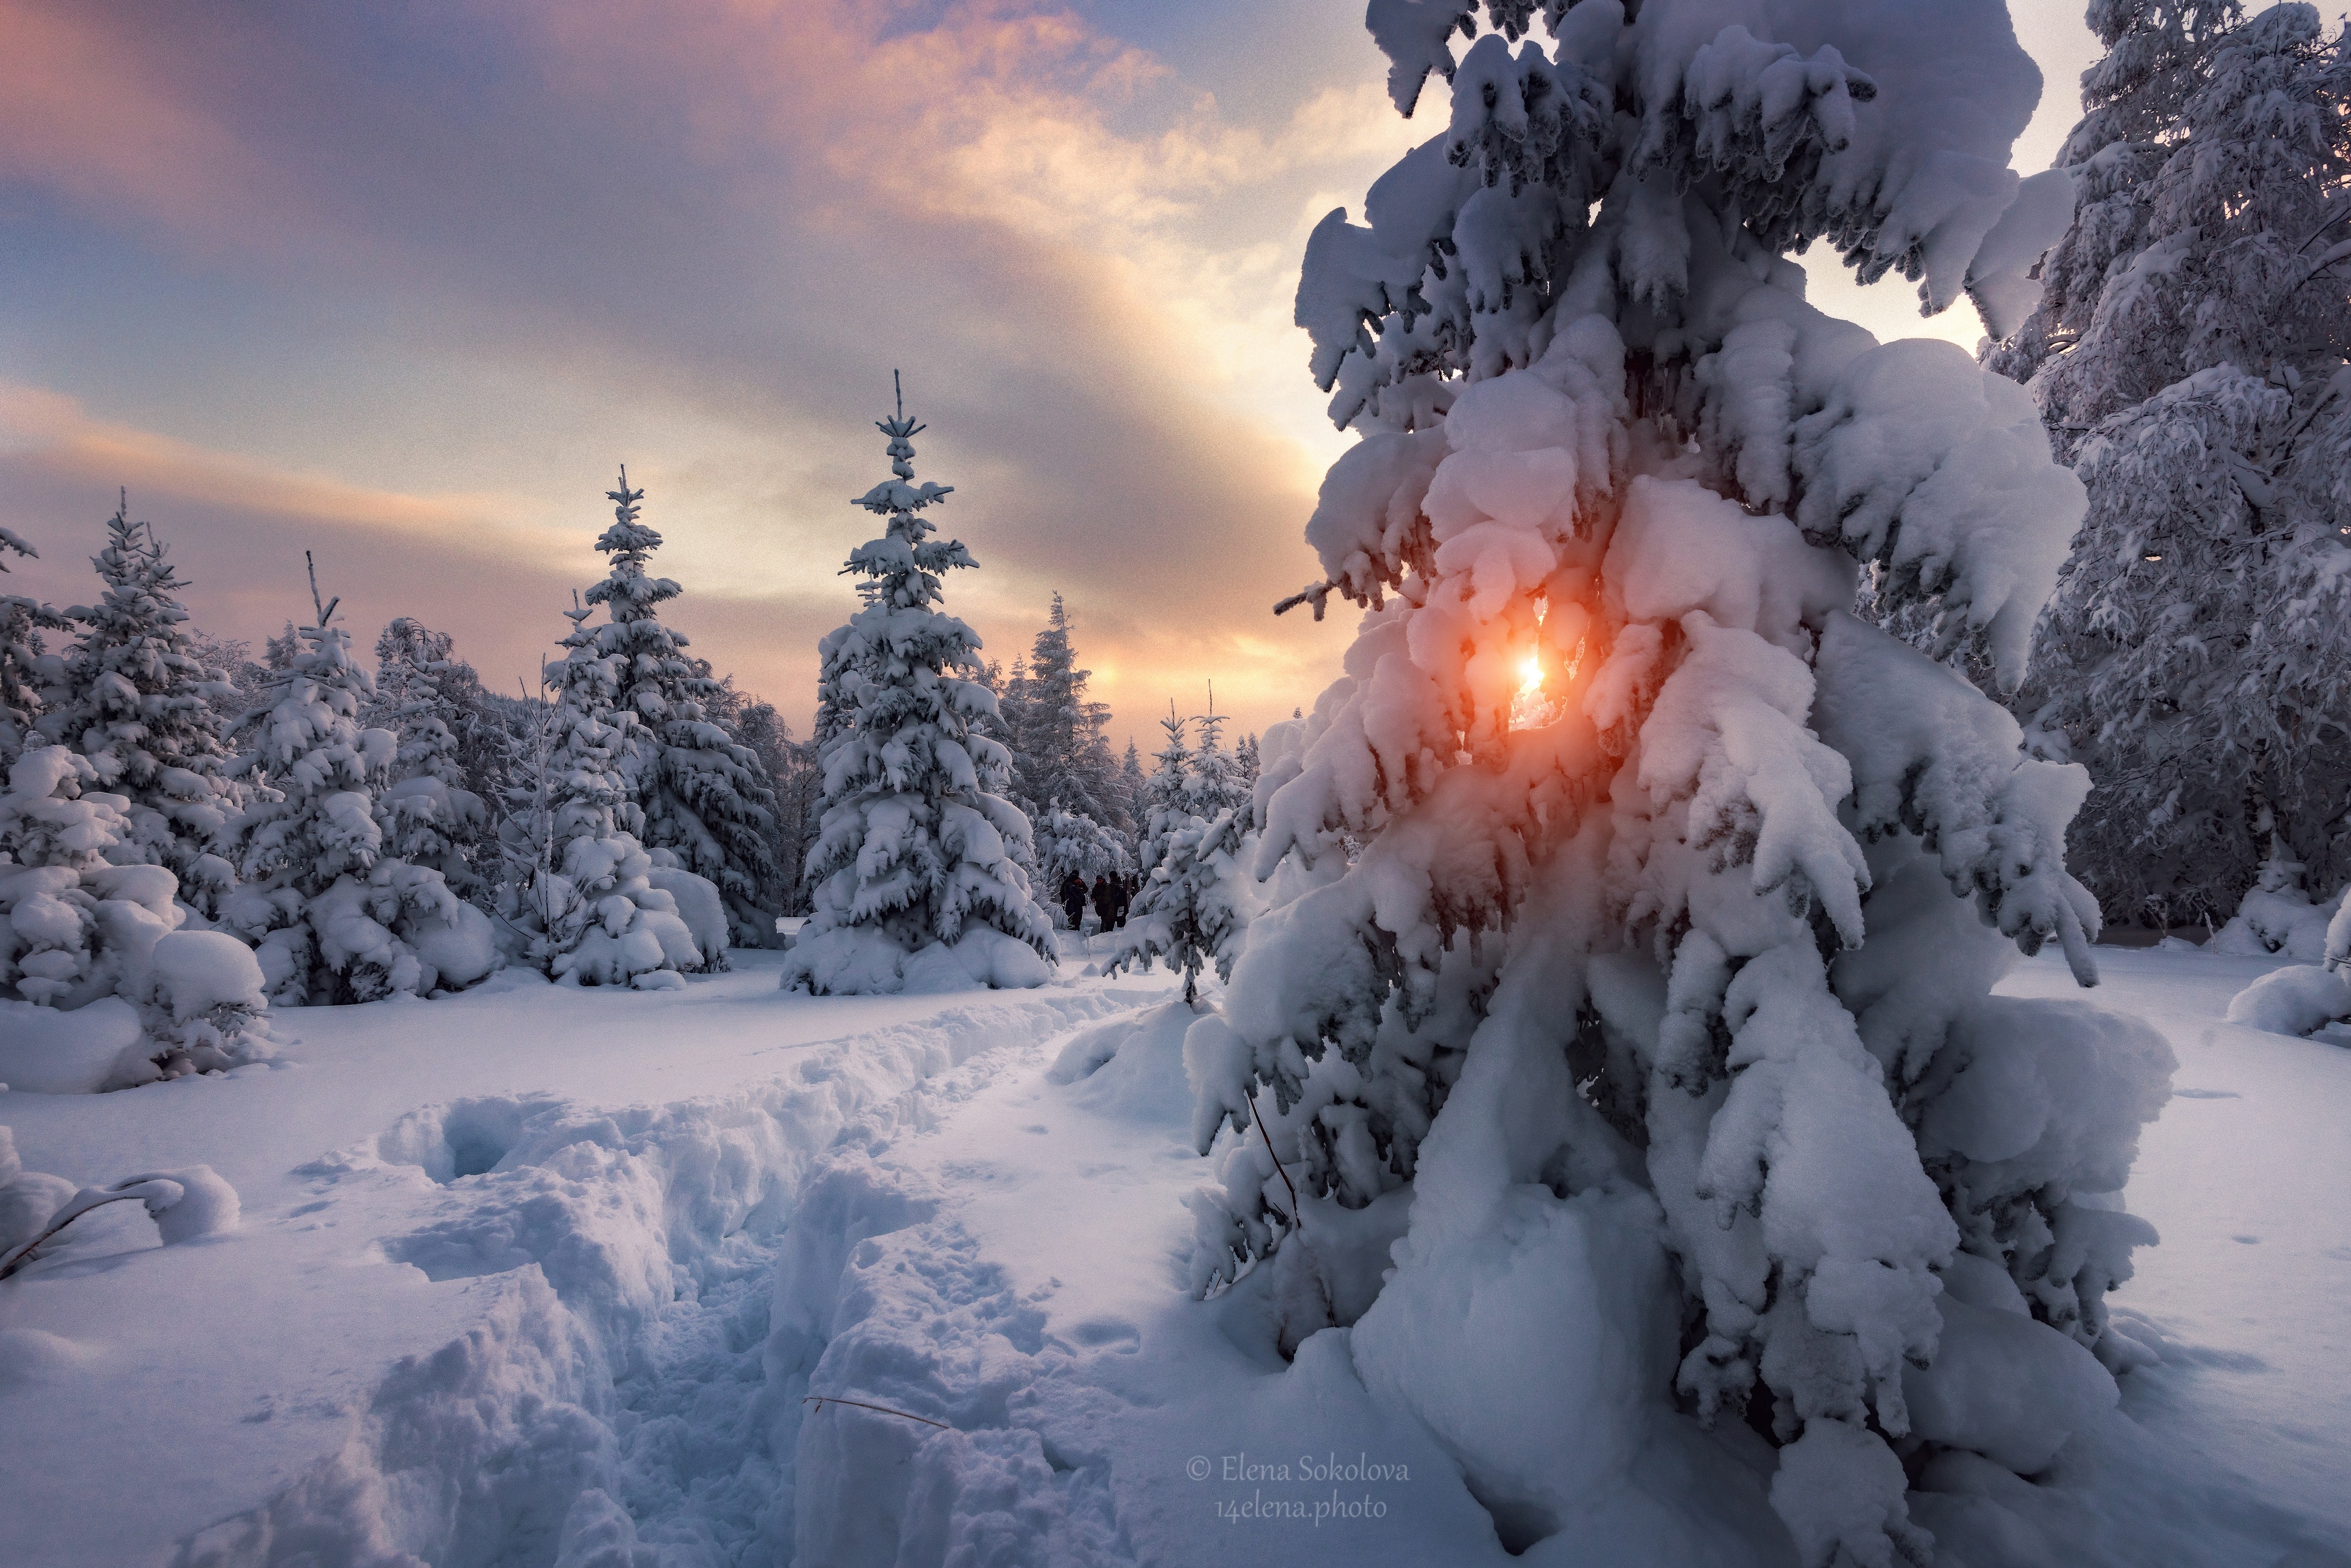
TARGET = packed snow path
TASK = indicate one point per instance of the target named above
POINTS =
(540, 1278)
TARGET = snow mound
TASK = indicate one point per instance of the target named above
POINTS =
(45, 1051)
(2297, 1000)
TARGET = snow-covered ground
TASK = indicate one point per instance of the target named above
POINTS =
(531, 1276)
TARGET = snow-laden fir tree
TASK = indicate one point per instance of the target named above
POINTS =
(2189, 355)
(434, 816)
(23, 622)
(131, 695)
(88, 927)
(1066, 841)
(1195, 899)
(1655, 1027)
(331, 913)
(701, 790)
(1055, 732)
(912, 874)
(585, 901)
(790, 770)
(1133, 789)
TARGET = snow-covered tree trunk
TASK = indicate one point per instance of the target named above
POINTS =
(1652, 1019)
(914, 875)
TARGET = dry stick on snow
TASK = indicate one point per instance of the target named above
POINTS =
(75, 1207)
(1297, 1214)
(822, 1401)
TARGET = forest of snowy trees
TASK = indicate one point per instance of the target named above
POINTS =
(407, 831)
(1607, 960)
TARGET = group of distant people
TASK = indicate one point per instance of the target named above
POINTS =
(1110, 896)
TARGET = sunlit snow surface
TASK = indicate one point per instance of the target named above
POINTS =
(538, 1277)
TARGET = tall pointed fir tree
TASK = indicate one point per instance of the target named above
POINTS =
(2189, 355)
(131, 695)
(912, 874)
(580, 891)
(701, 790)
(1652, 1023)
(1058, 749)
(333, 914)
(435, 815)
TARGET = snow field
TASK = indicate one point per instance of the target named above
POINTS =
(557, 1289)
(447, 1340)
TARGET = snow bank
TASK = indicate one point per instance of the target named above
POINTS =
(2297, 1000)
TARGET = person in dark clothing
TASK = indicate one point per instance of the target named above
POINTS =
(1106, 900)
(1125, 892)
(1073, 900)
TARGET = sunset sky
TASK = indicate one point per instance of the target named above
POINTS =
(403, 283)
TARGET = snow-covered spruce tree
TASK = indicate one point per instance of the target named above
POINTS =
(1195, 901)
(88, 929)
(1134, 790)
(581, 892)
(131, 695)
(23, 620)
(1058, 749)
(333, 914)
(435, 816)
(1066, 841)
(1663, 1015)
(2197, 654)
(699, 787)
(913, 873)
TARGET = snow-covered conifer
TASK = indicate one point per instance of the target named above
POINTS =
(428, 698)
(1133, 789)
(331, 914)
(580, 890)
(1195, 899)
(1067, 841)
(912, 872)
(1669, 996)
(2188, 354)
(701, 791)
(133, 696)
(86, 925)
(1056, 732)
(434, 816)
(23, 620)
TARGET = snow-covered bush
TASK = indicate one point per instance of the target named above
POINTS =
(1661, 1004)
(579, 894)
(2277, 915)
(2189, 356)
(434, 818)
(2295, 1000)
(99, 987)
(331, 914)
(702, 793)
(915, 848)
